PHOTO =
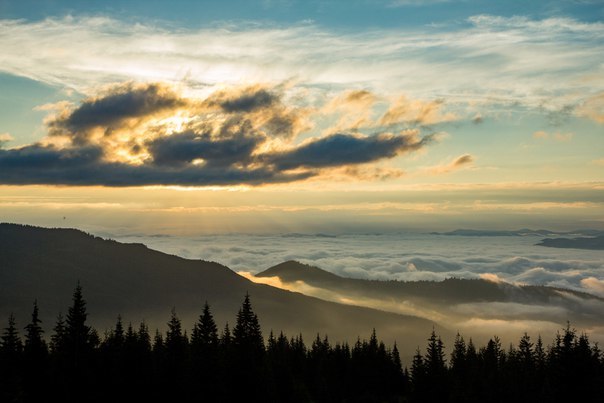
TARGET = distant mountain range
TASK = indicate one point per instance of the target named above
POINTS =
(587, 238)
(521, 232)
(452, 298)
(140, 283)
(596, 243)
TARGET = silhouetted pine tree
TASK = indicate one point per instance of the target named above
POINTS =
(248, 349)
(247, 335)
(204, 354)
(459, 371)
(74, 345)
(419, 384)
(35, 354)
(11, 346)
(176, 363)
(79, 337)
(114, 374)
(205, 332)
(58, 338)
(126, 368)
(436, 370)
(11, 350)
(225, 337)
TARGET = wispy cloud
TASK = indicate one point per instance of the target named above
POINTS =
(549, 62)
(5, 138)
(593, 108)
(418, 3)
(460, 162)
(557, 136)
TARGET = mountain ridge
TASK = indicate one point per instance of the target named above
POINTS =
(139, 283)
(452, 296)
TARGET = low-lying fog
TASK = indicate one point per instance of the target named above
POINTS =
(412, 256)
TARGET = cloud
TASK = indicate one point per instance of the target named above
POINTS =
(355, 108)
(478, 119)
(5, 138)
(38, 164)
(416, 3)
(139, 134)
(119, 103)
(248, 100)
(458, 163)
(190, 147)
(593, 108)
(408, 111)
(345, 149)
(594, 285)
(486, 59)
(492, 277)
(557, 136)
(563, 136)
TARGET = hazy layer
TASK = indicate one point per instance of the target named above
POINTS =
(405, 256)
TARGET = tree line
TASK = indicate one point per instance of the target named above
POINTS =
(129, 364)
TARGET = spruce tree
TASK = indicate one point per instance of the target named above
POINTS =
(396, 359)
(418, 373)
(59, 337)
(205, 332)
(247, 334)
(78, 335)
(35, 345)
(11, 350)
(176, 341)
(436, 370)
(525, 351)
(435, 356)
(226, 338)
(35, 359)
(144, 338)
(248, 354)
(10, 342)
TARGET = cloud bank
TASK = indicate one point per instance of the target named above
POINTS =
(134, 134)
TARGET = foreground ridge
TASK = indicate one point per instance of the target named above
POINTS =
(127, 365)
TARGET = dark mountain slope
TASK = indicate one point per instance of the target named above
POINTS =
(594, 243)
(446, 297)
(139, 283)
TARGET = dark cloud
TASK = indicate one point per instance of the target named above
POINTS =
(37, 164)
(109, 111)
(345, 149)
(561, 116)
(463, 160)
(47, 165)
(248, 101)
(184, 148)
(283, 125)
(148, 134)
(359, 95)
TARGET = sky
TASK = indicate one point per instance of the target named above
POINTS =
(276, 116)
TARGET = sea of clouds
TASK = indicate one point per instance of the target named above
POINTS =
(400, 256)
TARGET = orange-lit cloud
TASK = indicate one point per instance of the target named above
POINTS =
(460, 162)
(594, 285)
(593, 108)
(562, 137)
(492, 277)
(355, 109)
(141, 134)
(407, 111)
(5, 138)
